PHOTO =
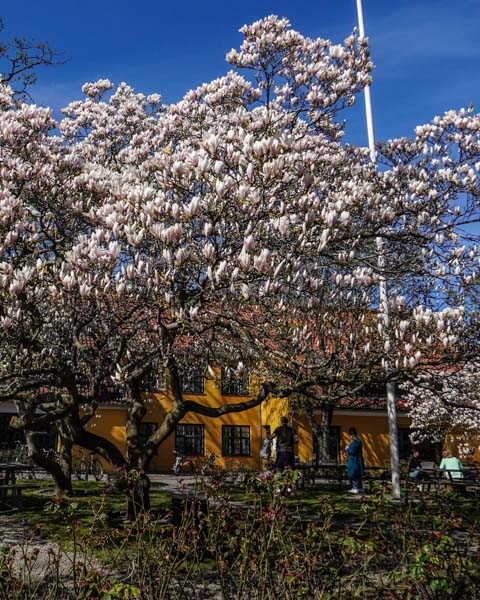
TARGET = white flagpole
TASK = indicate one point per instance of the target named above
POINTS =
(391, 408)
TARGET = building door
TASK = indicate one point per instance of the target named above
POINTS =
(431, 451)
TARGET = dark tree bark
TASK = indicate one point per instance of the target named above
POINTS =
(321, 431)
(59, 470)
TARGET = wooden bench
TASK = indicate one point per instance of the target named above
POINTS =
(377, 475)
(435, 481)
(333, 473)
(464, 485)
(307, 476)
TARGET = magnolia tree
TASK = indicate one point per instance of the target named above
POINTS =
(426, 206)
(446, 404)
(233, 224)
(162, 219)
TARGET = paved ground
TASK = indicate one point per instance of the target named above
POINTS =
(172, 481)
(32, 556)
(27, 548)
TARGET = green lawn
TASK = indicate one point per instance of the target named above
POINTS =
(89, 502)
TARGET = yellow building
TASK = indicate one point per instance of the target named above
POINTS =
(237, 437)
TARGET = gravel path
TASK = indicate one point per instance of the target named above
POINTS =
(32, 556)
(24, 542)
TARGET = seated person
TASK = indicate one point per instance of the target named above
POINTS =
(414, 464)
(452, 464)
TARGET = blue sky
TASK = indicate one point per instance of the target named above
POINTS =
(426, 52)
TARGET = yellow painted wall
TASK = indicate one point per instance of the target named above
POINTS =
(111, 424)
(273, 409)
(373, 431)
(372, 428)
(304, 448)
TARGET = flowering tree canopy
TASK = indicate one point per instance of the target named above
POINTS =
(447, 403)
(235, 224)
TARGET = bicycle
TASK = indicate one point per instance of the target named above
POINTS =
(178, 464)
(209, 464)
(21, 456)
(88, 466)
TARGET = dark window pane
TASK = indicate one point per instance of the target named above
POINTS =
(404, 443)
(154, 380)
(334, 443)
(234, 384)
(236, 440)
(428, 450)
(190, 440)
(145, 430)
(111, 393)
(192, 379)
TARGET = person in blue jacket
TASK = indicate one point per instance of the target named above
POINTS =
(355, 464)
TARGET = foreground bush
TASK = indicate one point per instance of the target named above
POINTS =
(210, 547)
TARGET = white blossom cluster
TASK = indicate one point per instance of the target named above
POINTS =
(235, 218)
(446, 404)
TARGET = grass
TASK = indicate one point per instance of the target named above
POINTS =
(89, 499)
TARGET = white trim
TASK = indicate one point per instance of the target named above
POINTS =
(366, 413)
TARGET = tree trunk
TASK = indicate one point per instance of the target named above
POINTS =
(135, 414)
(59, 470)
(137, 481)
(65, 456)
(321, 432)
(138, 494)
(324, 446)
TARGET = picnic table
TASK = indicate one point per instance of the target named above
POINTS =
(307, 474)
(329, 472)
(10, 489)
(431, 479)
(377, 474)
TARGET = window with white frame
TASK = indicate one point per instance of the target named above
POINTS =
(155, 380)
(192, 378)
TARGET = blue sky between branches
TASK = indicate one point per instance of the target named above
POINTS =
(426, 52)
